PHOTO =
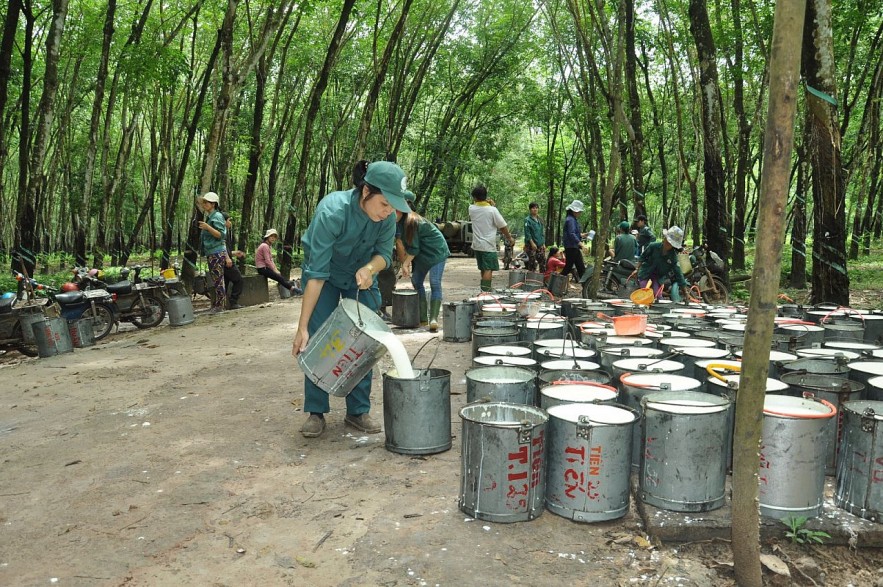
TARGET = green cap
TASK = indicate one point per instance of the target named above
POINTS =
(624, 225)
(389, 179)
(410, 196)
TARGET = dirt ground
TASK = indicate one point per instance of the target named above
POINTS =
(172, 457)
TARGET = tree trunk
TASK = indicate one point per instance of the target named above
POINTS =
(798, 228)
(830, 281)
(10, 26)
(717, 220)
(636, 150)
(743, 139)
(778, 142)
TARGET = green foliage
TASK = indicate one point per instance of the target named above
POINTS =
(798, 533)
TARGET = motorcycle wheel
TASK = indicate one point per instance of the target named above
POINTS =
(148, 313)
(722, 296)
(102, 320)
(28, 350)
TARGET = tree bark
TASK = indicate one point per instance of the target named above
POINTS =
(798, 228)
(830, 281)
(636, 150)
(778, 143)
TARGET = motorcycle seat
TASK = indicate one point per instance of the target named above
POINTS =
(120, 288)
(6, 305)
(71, 297)
(626, 264)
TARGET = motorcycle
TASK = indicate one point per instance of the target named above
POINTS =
(709, 286)
(614, 281)
(141, 302)
(14, 315)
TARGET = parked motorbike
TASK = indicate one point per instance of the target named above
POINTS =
(703, 279)
(614, 279)
(14, 313)
(141, 302)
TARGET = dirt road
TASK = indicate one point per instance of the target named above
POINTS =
(172, 457)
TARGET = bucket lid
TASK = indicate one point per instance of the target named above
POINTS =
(704, 363)
(772, 385)
(526, 296)
(786, 406)
(489, 360)
(685, 402)
(687, 342)
(736, 327)
(865, 407)
(505, 350)
(672, 333)
(816, 353)
(569, 365)
(656, 381)
(596, 414)
(579, 392)
(867, 367)
(695, 312)
(649, 366)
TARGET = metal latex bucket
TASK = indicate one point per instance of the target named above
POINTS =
(457, 321)
(611, 354)
(533, 281)
(844, 332)
(859, 488)
(874, 389)
(532, 330)
(700, 369)
(516, 277)
(850, 346)
(634, 386)
(838, 391)
(808, 334)
(28, 316)
(515, 385)
(503, 472)
(602, 342)
(873, 324)
(180, 310)
(284, 292)
(501, 361)
(794, 444)
(558, 284)
(776, 359)
(827, 354)
(405, 308)
(417, 412)
(482, 337)
(569, 365)
(671, 343)
(864, 371)
(552, 353)
(683, 464)
(689, 357)
(587, 472)
(817, 366)
(81, 332)
(623, 366)
(52, 337)
(576, 393)
(552, 376)
(345, 348)
(506, 350)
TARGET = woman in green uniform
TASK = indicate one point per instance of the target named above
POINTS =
(349, 240)
(425, 252)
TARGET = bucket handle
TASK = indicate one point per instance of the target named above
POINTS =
(820, 416)
(434, 355)
(842, 309)
(712, 370)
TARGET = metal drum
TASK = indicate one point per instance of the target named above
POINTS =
(457, 321)
(503, 465)
(81, 332)
(794, 444)
(180, 310)
(609, 355)
(532, 330)
(417, 412)
(515, 385)
(864, 371)
(576, 393)
(808, 334)
(634, 386)
(873, 324)
(345, 347)
(843, 331)
(52, 337)
(817, 366)
(837, 391)
(405, 308)
(482, 337)
(558, 284)
(859, 488)
(517, 277)
(587, 461)
(683, 466)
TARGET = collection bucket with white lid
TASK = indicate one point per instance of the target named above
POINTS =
(859, 487)
(683, 464)
(807, 334)
(831, 354)
(585, 392)
(794, 444)
(503, 465)
(345, 348)
(817, 366)
(531, 330)
(689, 357)
(516, 385)
(587, 461)
(634, 386)
(457, 321)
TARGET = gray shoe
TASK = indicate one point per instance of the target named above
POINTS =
(313, 427)
(363, 422)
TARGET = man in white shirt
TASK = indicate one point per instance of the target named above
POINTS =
(486, 221)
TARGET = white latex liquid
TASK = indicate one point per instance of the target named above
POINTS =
(398, 353)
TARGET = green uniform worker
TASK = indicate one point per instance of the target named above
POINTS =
(660, 259)
(625, 245)
(425, 253)
(349, 240)
(534, 240)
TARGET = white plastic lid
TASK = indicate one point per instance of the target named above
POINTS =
(490, 360)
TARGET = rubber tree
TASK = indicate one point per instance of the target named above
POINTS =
(778, 144)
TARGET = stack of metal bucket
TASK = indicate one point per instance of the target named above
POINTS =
(561, 410)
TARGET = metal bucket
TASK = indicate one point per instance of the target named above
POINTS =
(776, 359)
(838, 391)
(576, 393)
(29, 316)
(700, 368)
(827, 354)
(533, 281)
(532, 330)
(602, 342)
(623, 366)
(516, 277)
(873, 324)
(569, 365)
(284, 292)
(551, 376)
(550, 353)
(503, 472)
(457, 321)
(180, 310)
(817, 366)
(808, 334)
(634, 386)
(859, 488)
(685, 445)
(515, 385)
(689, 357)
(81, 332)
(841, 331)
(850, 346)
(558, 284)
(501, 361)
(417, 412)
(874, 389)
(52, 337)
(345, 348)
(587, 472)
(864, 371)
(794, 443)
(482, 337)
(506, 350)
(610, 355)
(405, 308)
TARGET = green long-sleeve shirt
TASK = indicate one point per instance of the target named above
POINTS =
(341, 239)
(533, 231)
(428, 247)
(657, 264)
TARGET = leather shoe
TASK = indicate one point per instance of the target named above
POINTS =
(363, 422)
(313, 427)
